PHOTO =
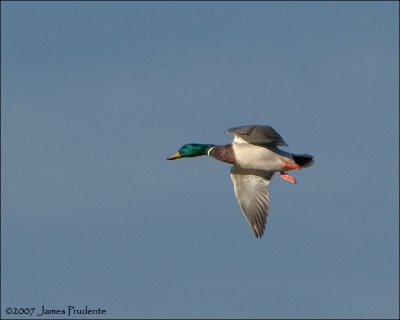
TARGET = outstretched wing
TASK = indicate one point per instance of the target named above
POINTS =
(256, 134)
(251, 191)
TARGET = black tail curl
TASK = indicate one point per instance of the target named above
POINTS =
(303, 160)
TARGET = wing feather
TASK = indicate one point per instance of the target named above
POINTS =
(257, 134)
(251, 191)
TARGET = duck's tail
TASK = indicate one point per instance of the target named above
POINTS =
(303, 160)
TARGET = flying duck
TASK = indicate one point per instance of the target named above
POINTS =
(255, 157)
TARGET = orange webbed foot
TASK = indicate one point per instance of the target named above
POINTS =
(290, 166)
(286, 177)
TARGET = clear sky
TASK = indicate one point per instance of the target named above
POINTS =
(96, 95)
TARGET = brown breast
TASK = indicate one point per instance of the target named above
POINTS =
(223, 153)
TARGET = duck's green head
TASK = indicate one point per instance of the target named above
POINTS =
(192, 150)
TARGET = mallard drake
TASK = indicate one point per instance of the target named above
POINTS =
(255, 157)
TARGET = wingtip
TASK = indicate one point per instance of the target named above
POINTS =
(258, 233)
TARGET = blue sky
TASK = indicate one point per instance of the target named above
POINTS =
(96, 95)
